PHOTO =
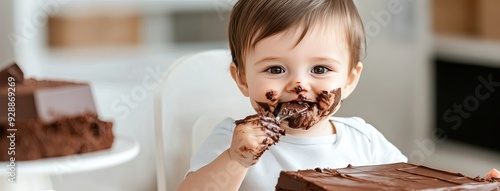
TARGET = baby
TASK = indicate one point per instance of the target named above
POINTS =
(295, 60)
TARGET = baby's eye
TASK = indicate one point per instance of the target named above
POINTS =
(319, 70)
(275, 70)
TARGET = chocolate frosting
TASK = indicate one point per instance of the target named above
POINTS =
(48, 100)
(66, 136)
(11, 70)
(397, 176)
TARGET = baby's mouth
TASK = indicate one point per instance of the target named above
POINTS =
(300, 113)
(293, 108)
(296, 114)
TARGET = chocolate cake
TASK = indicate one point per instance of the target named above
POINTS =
(49, 118)
(397, 176)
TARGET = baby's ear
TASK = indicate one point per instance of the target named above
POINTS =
(240, 79)
(352, 80)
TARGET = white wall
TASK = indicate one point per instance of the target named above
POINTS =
(397, 56)
(6, 20)
(30, 20)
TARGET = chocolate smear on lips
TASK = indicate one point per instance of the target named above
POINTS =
(327, 103)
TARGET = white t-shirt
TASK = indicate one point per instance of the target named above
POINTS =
(356, 143)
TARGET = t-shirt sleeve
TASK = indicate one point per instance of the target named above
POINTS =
(383, 151)
(216, 143)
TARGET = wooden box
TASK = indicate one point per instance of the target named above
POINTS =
(488, 19)
(454, 17)
(95, 30)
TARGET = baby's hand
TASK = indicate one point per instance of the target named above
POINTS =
(493, 173)
(252, 136)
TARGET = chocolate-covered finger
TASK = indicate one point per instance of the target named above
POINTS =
(257, 131)
(265, 141)
(248, 119)
(260, 151)
(274, 136)
(268, 141)
(273, 126)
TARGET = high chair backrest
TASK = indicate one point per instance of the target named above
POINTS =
(194, 94)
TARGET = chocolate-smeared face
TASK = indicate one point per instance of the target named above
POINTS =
(327, 103)
(291, 66)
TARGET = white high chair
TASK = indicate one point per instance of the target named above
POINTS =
(194, 94)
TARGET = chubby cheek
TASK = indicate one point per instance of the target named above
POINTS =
(266, 101)
(328, 102)
(264, 95)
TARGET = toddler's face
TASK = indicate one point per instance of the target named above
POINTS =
(277, 71)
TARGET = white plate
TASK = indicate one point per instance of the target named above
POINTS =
(123, 149)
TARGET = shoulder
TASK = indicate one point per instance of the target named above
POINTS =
(356, 125)
(349, 120)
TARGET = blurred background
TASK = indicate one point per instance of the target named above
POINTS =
(431, 71)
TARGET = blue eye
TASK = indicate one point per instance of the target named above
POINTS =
(275, 70)
(319, 70)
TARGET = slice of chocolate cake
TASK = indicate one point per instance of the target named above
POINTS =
(397, 176)
(41, 119)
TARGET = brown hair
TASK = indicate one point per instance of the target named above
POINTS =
(253, 20)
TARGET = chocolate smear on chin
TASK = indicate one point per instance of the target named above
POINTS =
(327, 102)
(302, 120)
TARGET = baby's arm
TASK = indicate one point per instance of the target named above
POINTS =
(251, 137)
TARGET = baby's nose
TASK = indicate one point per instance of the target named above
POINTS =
(298, 88)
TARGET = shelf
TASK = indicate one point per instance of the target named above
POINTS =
(78, 8)
(469, 49)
